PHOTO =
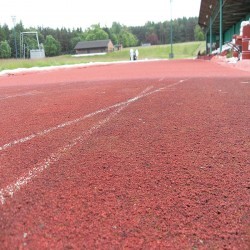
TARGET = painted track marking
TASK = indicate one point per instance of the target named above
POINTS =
(66, 124)
(10, 190)
(19, 95)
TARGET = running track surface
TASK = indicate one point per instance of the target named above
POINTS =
(145, 155)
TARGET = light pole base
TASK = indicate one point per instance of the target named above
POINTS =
(171, 56)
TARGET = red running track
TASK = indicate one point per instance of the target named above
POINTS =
(145, 155)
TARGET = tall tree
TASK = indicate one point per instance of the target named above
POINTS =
(95, 32)
(52, 46)
(184, 30)
(198, 33)
(4, 32)
(112, 36)
(5, 50)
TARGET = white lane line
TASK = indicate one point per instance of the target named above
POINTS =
(19, 95)
(177, 83)
(62, 125)
(66, 124)
(10, 190)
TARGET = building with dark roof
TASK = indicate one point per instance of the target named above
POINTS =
(98, 46)
(221, 19)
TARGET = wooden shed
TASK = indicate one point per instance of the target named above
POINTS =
(98, 46)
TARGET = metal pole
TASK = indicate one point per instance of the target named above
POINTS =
(221, 25)
(14, 30)
(171, 55)
(206, 42)
(211, 35)
(38, 45)
(21, 45)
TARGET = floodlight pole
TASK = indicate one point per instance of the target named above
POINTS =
(171, 55)
(14, 30)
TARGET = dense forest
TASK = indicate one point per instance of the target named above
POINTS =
(62, 41)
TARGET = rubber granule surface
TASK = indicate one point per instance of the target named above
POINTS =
(151, 155)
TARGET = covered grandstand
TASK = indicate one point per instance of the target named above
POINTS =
(221, 19)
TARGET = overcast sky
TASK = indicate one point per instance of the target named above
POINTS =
(83, 13)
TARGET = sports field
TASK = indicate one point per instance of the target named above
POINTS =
(141, 155)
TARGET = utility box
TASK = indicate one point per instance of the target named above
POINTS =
(37, 54)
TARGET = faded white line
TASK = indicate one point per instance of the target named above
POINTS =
(177, 83)
(62, 125)
(10, 190)
(19, 95)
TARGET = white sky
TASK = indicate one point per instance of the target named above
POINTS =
(83, 13)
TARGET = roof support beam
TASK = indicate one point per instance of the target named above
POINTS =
(206, 34)
(211, 34)
(221, 24)
(216, 12)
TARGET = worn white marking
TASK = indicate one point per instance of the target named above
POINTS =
(10, 190)
(177, 83)
(19, 95)
(62, 125)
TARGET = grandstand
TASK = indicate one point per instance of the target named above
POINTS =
(221, 19)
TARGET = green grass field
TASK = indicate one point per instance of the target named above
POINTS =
(181, 50)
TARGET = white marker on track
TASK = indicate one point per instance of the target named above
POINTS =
(10, 190)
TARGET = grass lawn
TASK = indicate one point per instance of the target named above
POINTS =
(181, 50)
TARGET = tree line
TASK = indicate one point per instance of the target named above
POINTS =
(62, 41)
